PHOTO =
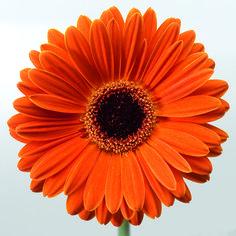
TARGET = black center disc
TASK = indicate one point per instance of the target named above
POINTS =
(119, 115)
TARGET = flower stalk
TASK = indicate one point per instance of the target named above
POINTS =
(124, 229)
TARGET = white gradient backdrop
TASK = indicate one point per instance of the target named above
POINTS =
(23, 27)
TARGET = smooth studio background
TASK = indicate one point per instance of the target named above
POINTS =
(23, 27)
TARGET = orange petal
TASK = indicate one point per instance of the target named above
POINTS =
(79, 51)
(130, 15)
(187, 197)
(34, 57)
(45, 130)
(126, 211)
(158, 166)
(197, 47)
(138, 67)
(17, 120)
(118, 17)
(182, 142)
(162, 29)
(102, 214)
(40, 147)
(17, 137)
(200, 166)
(83, 25)
(65, 70)
(215, 151)
(150, 23)
(101, 49)
(213, 87)
(115, 36)
(186, 67)
(86, 215)
(189, 106)
(180, 190)
(26, 107)
(56, 50)
(75, 201)
(152, 205)
(27, 90)
(106, 16)
(24, 76)
(169, 154)
(113, 191)
(95, 187)
(202, 133)
(225, 104)
(132, 182)
(209, 64)
(181, 88)
(196, 177)
(27, 83)
(58, 104)
(169, 37)
(188, 38)
(117, 219)
(163, 65)
(57, 38)
(137, 218)
(54, 185)
(37, 186)
(204, 118)
(26, 164)
(223, 135)
(55, 85)
(81, 169)
(58, 158)
(132, 40)
(163, 193)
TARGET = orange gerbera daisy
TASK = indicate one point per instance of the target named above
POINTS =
(115, 114)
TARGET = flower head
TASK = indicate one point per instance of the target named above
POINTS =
(116, 114)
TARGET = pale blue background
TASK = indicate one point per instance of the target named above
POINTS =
(23, 26)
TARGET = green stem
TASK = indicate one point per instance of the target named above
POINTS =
(124, 229)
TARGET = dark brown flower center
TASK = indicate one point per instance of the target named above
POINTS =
(119, 117)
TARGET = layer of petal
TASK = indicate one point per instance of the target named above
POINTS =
(182, 142)
(214, 87)
(131, 42)
(45, 130)
(113, 191)
(132, 182)
(75, 201)
(26, 107)
(57, 38)
(65, 70)
(152, 205)
(150, 23)
(204, 134)
(54, 85)
(101, 49)
(58, 158)
(181, 87)
(163, 193)
(95, 187)
(83, 25)
(102, 213)
(58, 104)
(169, 154)
(80, 52)
(158, 166)
(189, 106)
(81, 169)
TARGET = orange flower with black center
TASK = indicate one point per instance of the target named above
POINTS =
(115, 114)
